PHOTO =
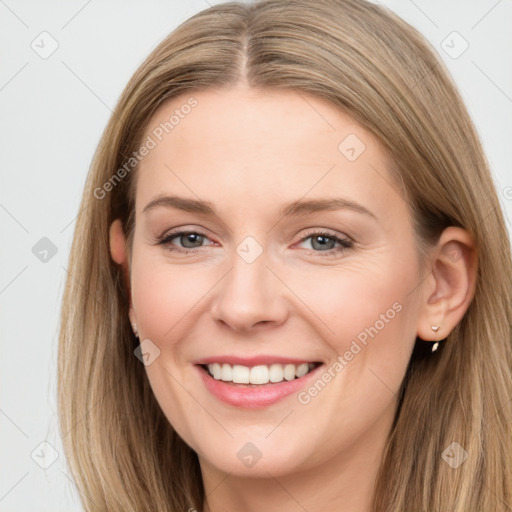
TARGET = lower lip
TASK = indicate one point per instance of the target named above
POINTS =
(254, 397)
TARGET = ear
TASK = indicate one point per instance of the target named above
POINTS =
(119, 254)
(450, 287)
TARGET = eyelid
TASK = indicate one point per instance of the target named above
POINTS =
(326, 232)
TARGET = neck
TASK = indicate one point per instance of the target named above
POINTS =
(344, 483)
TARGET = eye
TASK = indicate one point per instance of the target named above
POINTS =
(325, 242)
(188, 239)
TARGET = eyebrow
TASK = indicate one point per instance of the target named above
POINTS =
(293, 209)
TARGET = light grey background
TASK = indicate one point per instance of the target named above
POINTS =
(53, 112)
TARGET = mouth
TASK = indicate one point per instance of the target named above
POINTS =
(258, 385)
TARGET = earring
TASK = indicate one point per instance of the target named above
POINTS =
(134, 326)
(435, 328)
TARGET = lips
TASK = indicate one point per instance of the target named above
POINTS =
(256, 382)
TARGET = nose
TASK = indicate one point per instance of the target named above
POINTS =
(250, 295)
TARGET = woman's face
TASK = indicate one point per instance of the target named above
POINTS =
(262, 290)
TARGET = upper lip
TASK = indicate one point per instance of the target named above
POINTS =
(252, 361)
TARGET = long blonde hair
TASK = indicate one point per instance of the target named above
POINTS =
(366, 61)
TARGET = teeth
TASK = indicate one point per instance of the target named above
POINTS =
(301, 370)
(259, 375)
(240, 374)
(289, 372)
(275, 373)
(262, 374)
(215, 370)
(226, 373)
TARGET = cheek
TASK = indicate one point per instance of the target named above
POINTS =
(367, 313)
(350, 300)
(163, 295)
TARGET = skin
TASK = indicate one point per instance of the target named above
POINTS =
(249, 152)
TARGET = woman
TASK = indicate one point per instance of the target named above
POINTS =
(290, 284)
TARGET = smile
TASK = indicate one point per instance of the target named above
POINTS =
(257, 385)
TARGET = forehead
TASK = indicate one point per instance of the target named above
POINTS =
(250, 143)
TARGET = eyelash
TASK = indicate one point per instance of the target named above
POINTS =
(345, 243)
